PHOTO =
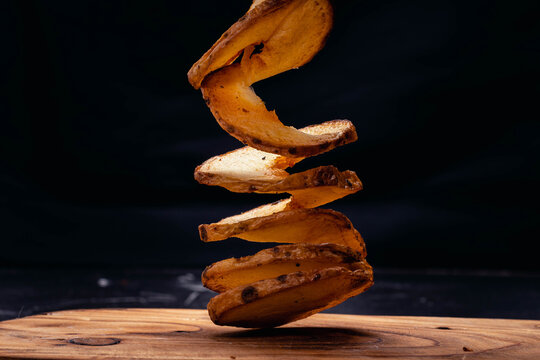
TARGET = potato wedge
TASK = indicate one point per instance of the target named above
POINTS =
(242, 168)
(274, 302)
(278, 261)
(313, 226)
(293, 31)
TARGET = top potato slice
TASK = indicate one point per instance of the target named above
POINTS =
(272, 37)
(292, 32)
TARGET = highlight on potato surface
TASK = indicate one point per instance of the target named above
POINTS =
(323, 263)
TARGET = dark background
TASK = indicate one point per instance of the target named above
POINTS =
(100, 131)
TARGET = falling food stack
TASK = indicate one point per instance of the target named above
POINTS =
(323, 261)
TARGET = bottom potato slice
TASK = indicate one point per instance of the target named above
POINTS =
(277, 261)
(274, 302)
(314, 226)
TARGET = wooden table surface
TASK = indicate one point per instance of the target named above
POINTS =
(189, 334)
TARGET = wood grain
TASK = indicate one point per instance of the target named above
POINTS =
(189, 334)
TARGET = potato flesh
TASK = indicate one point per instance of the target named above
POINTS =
(307, 232)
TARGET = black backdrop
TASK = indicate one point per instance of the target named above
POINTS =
(100, 130)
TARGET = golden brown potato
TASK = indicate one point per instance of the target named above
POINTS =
(278, 261)
(273, 302)
(241, 113)
(248, 169)
(272, 37)
(324, 263)
(292, 32)
(313, 226)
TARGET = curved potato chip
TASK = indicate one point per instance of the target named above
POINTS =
(272, 37)
(293, 31)
(278, 261)
(274, 302)
(313, 226)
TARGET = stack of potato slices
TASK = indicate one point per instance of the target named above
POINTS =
(323, 263)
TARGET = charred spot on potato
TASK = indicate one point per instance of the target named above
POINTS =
(256, 141)
(292, 150)
(257, 49)
(351, 258)
(202, 233)
(229, 128)
(282, 278)
(324, 145)
(316, 277)
(249, 294)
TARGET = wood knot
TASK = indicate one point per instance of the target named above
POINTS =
(93, 341)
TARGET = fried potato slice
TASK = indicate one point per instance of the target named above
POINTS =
(322, 176)
(242, 114)
(293, 31)
(277, 262)
(274, 302)
(250, 170)
(313, 226)
(239, 169)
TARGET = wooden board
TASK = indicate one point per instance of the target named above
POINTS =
(189, 334)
